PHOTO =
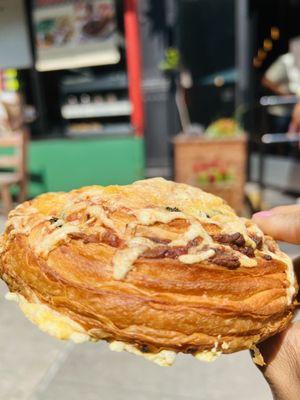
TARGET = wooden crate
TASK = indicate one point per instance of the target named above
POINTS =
(217, 166)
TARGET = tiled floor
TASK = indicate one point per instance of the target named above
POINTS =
(33, 366)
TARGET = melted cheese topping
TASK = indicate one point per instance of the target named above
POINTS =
(195, 206)
(194, 231)
(189, 199)
(195, 258)
(149, 216)
(252, 228)
(257, 356)
(50, 321)
(98, 213)
(208, 355)
(225, 346)
(71, 207)
(164, 358)
(124, 259)
(48, 242)
(234, 224)
(23, 223)
(231, 224)
(247, 261)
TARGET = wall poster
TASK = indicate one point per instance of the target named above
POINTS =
(75, 33)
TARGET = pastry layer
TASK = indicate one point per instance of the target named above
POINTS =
(156, 265)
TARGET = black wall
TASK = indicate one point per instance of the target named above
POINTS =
(206, 37)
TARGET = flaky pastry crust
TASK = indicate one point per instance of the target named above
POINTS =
(155, 266)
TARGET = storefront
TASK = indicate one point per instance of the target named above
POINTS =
(85, 85)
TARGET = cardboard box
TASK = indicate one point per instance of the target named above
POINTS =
(217, 166)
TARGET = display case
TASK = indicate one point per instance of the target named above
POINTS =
(96, 105)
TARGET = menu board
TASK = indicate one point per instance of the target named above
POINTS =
(15, 51)
(73, 34)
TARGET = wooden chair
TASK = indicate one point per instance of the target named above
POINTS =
(16, 164)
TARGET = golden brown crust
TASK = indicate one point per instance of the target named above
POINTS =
(222, 281)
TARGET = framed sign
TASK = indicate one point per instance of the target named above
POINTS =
(75, 33)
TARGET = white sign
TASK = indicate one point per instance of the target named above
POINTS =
(72, 34)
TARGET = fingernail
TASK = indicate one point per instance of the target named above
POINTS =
(262, 214)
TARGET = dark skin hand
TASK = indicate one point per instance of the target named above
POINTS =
(273, 87)
(294, 127)
(282, 352)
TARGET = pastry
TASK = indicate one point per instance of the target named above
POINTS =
(154, 268)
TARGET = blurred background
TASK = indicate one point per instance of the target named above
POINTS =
(111, 91)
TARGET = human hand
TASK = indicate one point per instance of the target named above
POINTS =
(294, 127)
(282, 352)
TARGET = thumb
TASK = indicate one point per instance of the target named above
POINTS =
(282, 223)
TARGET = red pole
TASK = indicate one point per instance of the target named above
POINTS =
(133, 57)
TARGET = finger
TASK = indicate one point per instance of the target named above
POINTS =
(285, 209)
(278, 349)
(282, 223)
(292, 128)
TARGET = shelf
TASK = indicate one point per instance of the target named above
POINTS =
(116, 129)
(94, 110)
(85, 84)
